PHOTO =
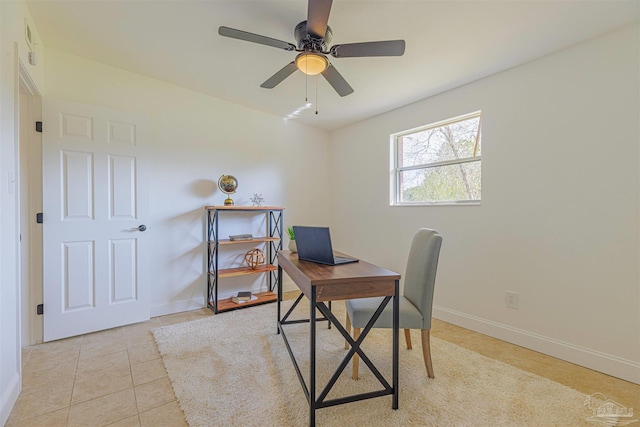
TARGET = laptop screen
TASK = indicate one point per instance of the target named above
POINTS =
(314, 244)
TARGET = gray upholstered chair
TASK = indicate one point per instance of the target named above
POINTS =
(415, 303)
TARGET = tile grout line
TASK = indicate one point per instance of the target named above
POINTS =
(75, 377)
(135, 395)
(97, 397)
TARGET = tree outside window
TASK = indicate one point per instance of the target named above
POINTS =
(439, 163)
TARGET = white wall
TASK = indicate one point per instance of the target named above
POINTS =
(559, 219)
(12, 49)
(193, 139)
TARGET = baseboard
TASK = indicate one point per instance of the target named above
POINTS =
(9, 397)
(176, 307)
(592, 359)
(289, 285)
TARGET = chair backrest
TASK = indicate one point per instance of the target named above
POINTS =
(420, 275)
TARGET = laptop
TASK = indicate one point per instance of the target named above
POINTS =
(314, 244)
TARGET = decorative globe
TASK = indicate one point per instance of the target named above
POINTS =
(228, 184)
(254, 258)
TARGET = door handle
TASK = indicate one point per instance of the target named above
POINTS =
(141, 227)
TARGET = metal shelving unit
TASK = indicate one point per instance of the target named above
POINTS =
(273, 240)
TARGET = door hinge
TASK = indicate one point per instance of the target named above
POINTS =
(39, 219)
(40, 309)
(39, 127)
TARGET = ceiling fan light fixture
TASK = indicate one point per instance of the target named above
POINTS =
(311, 63)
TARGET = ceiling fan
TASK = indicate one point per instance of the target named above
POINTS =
(313, 37)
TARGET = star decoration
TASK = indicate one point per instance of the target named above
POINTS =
(257, 200)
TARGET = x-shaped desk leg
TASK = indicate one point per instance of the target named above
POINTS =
(355, 347)
(320, 402)
(310, 391)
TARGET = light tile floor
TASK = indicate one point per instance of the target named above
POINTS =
(577, 377)
(116, 377)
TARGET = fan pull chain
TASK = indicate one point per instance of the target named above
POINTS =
(316, 95)
(306, 84)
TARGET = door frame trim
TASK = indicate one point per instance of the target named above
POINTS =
(32, 291)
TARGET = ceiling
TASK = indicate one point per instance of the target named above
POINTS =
(448, 43)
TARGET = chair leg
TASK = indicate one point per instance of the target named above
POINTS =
(348, 328)
(407, 338)
(356, 358)
(426, 352)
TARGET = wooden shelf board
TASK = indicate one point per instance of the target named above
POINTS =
(254, 240)
(244, 208)
(243, 271)
(227, 305)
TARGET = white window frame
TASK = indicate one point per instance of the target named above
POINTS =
(396, 171)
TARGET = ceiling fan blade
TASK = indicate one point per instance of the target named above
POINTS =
(254, 38)
(317, 17)
(382, 48)
(336, 80)
(278, 77)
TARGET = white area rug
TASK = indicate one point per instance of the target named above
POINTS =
(232, 369)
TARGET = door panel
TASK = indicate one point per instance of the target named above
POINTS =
(122, 187)
(123, 262)
(78, 273)
(95, 276)
(77, 185)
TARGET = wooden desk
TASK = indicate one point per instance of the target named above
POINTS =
(324, 283)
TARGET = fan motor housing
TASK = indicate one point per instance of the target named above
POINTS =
(304, 43)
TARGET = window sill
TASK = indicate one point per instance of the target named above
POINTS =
(422, 204)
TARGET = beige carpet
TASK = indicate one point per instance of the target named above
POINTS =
(233, 370)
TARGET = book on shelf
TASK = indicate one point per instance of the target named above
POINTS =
(243, 297)
(235, 237)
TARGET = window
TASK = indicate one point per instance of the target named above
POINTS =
(438, 163)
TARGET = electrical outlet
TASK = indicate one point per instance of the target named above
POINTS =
(511, 299)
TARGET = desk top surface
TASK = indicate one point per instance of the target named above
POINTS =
(355, 280)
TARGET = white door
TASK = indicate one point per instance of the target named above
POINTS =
(94, 200)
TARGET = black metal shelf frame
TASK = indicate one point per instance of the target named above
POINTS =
(275, 228)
